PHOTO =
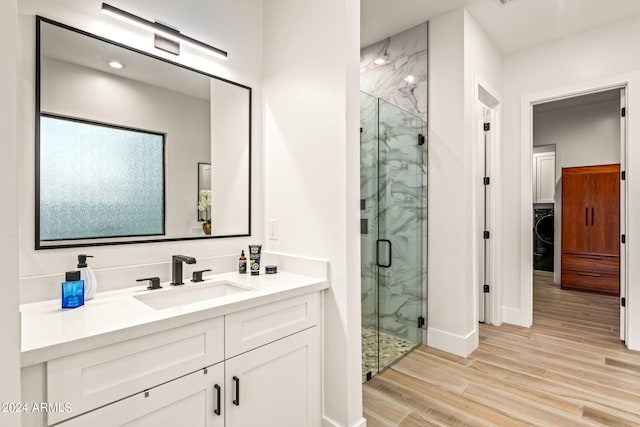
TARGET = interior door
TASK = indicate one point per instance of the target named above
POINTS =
(575, 212)
(623, 215)
(604, 222)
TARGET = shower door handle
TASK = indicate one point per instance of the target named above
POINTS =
(388, 242)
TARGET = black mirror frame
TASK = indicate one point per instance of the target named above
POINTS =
(38, 245)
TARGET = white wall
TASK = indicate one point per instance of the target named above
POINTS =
(233, 26)
(598, 58)
(311, 107)
(130, 103)
(9, 315)
(461, 55)
(583, 135)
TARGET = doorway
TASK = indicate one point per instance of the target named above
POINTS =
(579, 145)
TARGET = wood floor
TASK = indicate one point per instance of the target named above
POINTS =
(569, 369)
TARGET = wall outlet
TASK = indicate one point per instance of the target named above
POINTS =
(273, 229)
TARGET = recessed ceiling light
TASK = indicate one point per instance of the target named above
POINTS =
(115, 64)
(409, 79)
(379, 61)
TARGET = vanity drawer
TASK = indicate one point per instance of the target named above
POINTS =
(103, 375)
(589, 262)
(251, 328)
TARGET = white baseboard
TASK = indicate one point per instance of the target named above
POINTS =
(511, 316)
(326, 422)
(451, 343)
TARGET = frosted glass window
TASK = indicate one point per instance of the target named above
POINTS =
(99, 181)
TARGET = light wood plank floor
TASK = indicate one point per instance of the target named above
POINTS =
(569, 369)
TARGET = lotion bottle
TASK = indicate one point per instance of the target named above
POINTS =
(86, 274)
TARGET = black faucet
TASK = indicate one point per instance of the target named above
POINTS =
(176, 268)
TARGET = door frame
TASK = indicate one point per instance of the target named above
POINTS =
(487, 102)
(526, 190)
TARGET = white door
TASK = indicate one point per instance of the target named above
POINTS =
(485, 127)
(623, 217)
(189, 401)
(276, 385)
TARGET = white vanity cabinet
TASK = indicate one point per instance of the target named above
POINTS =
(544, 177)
(257, 366)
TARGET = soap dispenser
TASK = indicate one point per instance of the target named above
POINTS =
(86, 274)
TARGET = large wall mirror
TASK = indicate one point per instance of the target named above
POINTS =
(123, 139)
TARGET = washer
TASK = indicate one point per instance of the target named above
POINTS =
(543, 235)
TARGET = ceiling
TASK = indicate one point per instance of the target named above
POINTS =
(518, 25)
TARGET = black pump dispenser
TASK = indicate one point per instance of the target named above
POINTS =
(82, 260)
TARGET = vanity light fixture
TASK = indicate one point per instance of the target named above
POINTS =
(409, 79)
(166, 38)
(115, 64)
(379, 61)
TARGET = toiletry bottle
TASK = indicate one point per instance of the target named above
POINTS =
(86, 274)
(72, 290)
(242, 263)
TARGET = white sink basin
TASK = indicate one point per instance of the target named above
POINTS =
(188, 294)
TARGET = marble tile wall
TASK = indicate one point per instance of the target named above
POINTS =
(401, 182)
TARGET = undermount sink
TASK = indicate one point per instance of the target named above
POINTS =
(189, 294)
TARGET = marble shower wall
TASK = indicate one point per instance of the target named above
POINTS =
(402, 182)
(405, 55)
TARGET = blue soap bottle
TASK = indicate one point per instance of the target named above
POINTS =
(72, 290)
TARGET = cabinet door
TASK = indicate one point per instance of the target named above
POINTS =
(276, 385)
(188, 401)
(545, 178)
(604, 219)
(575, 212)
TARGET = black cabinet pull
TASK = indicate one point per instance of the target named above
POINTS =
(236, 401)
(591, 216)
(217, 410)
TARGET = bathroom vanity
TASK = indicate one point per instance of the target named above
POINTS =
(234, 350)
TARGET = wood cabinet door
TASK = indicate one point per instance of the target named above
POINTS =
(575, 211)
(604, 214)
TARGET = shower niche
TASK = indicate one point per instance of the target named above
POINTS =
(391, 199)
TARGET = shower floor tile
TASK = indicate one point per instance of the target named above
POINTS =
(391, 348)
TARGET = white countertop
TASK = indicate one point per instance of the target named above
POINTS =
(48, 332)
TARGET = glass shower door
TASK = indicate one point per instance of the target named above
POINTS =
(391, 233)
(399, 244)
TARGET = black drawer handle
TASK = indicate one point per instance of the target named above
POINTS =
(217, 411)
(595, 258)
(236, 401)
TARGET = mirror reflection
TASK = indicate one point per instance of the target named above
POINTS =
(204, 192)
(100, 181)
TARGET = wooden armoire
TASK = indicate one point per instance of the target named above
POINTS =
(591, 228)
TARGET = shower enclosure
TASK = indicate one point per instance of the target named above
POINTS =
(391, 232)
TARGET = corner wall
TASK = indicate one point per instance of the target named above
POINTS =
(9, 314)
(460, 56)
(311, 111)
